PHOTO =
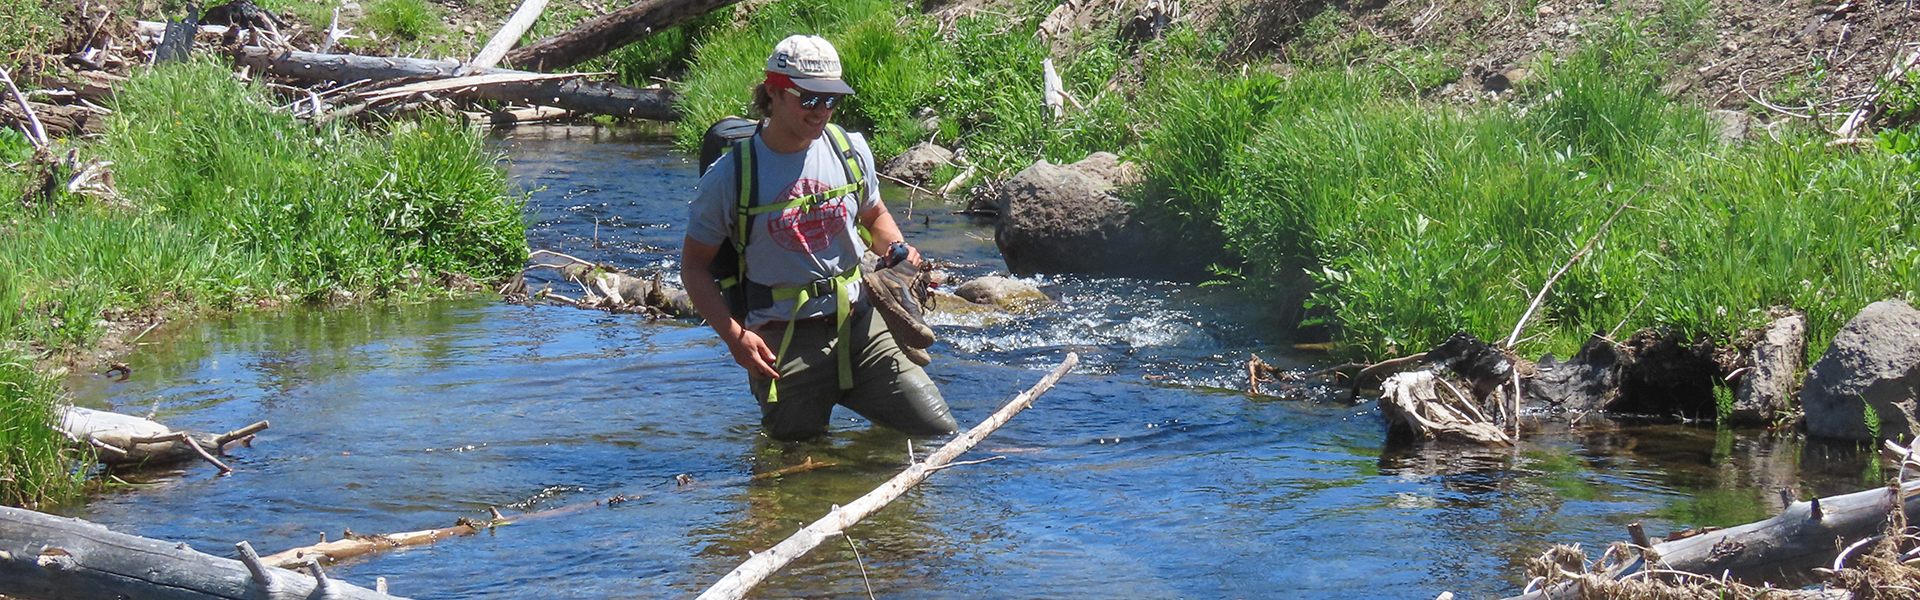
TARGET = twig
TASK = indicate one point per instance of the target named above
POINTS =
(1623, 320)
(964, 463)
(183, 438)
(908, 185)
(38, 133)
(1514, 338)
(858, 561)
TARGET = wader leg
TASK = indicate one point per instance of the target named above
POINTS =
(888, 388)
(809, 387)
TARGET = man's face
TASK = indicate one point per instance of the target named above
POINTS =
(790, 111)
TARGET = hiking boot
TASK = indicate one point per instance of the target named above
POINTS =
(898, 292)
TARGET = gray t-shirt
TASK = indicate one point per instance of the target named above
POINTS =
(798, 245)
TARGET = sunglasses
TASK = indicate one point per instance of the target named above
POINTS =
(813, 101)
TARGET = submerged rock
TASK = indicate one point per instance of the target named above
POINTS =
(1012, 295)
(1873, 361)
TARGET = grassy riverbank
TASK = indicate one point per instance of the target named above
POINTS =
(1411, 219)
(226, 203)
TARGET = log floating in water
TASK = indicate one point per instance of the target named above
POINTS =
(44, 556)
(607, 33)
(757, 568)
(571, 94)
(129, 440)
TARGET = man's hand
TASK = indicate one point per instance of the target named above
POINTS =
(752, 352)
(747, 347)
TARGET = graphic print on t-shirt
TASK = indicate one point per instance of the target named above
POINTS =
(805, 228)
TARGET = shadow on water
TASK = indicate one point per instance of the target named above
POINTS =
(1143, 475)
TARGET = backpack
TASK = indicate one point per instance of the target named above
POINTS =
(735, 135)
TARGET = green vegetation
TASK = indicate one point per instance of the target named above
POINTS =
(27, 27)
(227, 203)
(34, 469)
(1408, 221)
(404, 19)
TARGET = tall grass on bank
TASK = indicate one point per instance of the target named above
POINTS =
(228, 202)
(1417, 221)
(981, 78)
(33, 469)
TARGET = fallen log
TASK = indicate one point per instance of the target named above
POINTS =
(352, 545)
(609, 32)
(54, 120)
(757, 568)
(122, 440)
(44, 556)
(1791, 543)
(1788, 547)
(571, 94)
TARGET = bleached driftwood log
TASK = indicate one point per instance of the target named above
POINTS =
(44, 556)
(750, 573)
(129, 440)
(1415, 401)
(516, 26)
(571, 94)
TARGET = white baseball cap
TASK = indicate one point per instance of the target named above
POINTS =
(810, 62)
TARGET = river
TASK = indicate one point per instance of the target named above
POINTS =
(1147, 473)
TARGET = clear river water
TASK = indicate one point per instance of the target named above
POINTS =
(1147, 473)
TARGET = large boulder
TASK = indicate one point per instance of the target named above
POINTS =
(1765, 387)
(1067, 219)
(917, 164)
(1873, 361)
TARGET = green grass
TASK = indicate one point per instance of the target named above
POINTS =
(228, 203)
(1405, 221)
(1418, 221)
(33, 469)
(27, 27)
(403, 19)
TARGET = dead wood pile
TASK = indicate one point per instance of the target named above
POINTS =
(602, 287)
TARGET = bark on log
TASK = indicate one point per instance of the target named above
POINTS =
(573, 94)
(44, 556)
(750, 573)
(609, 32)
(1798, 539)
(57, 120)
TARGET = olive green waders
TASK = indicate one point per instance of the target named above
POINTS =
(888, 389)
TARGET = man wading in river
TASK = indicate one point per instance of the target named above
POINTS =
(799, 320)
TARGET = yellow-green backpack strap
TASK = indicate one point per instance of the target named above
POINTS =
(856, 176)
